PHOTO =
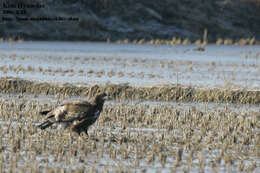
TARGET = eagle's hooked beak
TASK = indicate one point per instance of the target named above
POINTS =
(107, 98)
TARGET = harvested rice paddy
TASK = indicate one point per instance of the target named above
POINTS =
(172, 109)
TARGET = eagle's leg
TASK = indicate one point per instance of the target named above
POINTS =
(86, 131)
(75, 129)
(78, 132)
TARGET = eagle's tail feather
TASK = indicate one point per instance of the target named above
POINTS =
(44, 112)
(45, 125)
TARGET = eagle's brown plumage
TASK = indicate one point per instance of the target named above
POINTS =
(76, 115)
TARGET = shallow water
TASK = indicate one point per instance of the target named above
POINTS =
(83, 62)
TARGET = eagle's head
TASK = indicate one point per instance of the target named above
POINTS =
(100, 98)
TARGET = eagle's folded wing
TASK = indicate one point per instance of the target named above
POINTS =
(76, 111)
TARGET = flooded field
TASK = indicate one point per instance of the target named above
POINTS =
(172, 109)
(149, 136)
(217, 66)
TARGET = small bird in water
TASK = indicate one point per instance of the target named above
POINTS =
(76, 115)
